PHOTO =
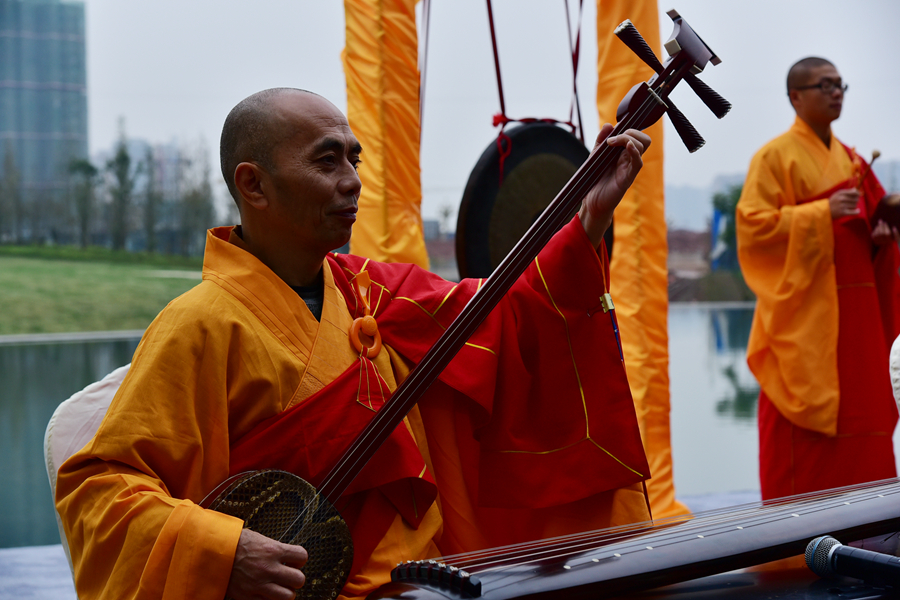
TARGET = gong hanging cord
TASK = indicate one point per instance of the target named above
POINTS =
(575, 105)
(504, 143)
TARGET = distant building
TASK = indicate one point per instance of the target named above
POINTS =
(43, 103)
(888, 172)
(431, 229)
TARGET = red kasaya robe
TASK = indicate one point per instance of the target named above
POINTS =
(827, 305)
(529, 433)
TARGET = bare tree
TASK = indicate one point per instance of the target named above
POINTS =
(153, 198)
(121, 187)
(196, 210)
(444, 213)
(85, 175)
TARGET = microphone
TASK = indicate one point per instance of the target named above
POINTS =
(827, 557)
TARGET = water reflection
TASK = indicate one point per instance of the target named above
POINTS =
(713, 397)
(34, 379)
(741, 403)
(713, 404)
(731, 329)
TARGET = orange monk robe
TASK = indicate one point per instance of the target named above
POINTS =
(817, 344)
(242, 348)
(237, 349)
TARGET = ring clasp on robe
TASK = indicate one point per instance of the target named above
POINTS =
(366, 325)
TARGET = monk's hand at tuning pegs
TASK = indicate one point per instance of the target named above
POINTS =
(883, 234)
(844, 203)
(264, 568)
(598, 206)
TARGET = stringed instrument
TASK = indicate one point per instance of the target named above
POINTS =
(288, 509)
(611, 562)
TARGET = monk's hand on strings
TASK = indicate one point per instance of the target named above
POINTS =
(598, 206)
(843, 203)
(264, 568)
(883, 234)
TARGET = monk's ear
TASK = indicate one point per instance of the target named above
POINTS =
(248, 179)
(794, 96)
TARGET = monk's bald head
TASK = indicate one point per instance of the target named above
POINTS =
(801, 72)
(253, 129)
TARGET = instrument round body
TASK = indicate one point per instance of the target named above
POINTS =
(284, 507)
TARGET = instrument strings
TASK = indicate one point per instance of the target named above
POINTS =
(545, 226)
(555, 212)
(634, 538)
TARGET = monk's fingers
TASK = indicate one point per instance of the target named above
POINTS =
(273, 581)
(604, 133)
(273, 591)
(295, 556)
(845, 203)
(638, 139)
(288, 577)
(265, 568)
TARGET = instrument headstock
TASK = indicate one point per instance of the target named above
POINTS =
(688, 55)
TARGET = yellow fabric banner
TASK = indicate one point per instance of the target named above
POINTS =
(639, 273)
(380, 64)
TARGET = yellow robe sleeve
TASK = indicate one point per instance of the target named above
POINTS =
(165, 437)
(786, 252)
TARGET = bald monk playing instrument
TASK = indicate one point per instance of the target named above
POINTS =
(529, 433)
(825, 278)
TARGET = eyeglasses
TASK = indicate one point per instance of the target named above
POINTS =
(826, 86)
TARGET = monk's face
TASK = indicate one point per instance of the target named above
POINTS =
(314, 186)
(816, 106)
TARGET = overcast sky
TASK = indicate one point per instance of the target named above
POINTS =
(174, 68)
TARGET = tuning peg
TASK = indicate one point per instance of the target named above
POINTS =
(691, 138)
(716, 103)
(629, 34)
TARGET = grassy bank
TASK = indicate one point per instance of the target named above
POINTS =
(52, 292)
(98, 254)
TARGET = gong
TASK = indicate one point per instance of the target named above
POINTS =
(494, 216)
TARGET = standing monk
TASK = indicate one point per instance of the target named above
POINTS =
(826, 282)
(529, 433)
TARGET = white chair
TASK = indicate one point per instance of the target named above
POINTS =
(895, 369)
(71, 427)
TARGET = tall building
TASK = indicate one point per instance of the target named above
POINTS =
(43, 109)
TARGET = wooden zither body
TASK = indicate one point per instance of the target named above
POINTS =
(609, 563)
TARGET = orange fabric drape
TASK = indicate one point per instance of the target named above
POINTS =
(383, 110)
(639, 277)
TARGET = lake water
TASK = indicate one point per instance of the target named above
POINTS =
(34, 379)
(713, 412)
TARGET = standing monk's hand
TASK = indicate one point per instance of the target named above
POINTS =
(883, 234)
(843, 203)
(264, 568)
(598, 206)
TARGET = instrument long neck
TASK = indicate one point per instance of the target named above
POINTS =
(457, 334)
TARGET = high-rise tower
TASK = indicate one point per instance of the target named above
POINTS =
(43, 111)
